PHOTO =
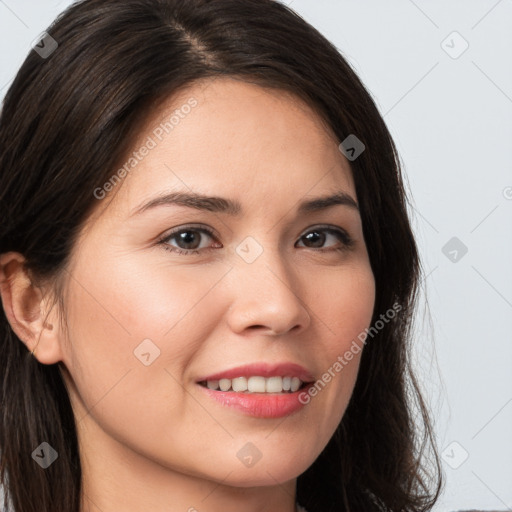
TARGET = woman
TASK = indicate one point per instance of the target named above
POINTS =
(207, 272)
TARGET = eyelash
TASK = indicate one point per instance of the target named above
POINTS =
(342, 235)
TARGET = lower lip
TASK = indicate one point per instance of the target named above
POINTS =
(261, 405)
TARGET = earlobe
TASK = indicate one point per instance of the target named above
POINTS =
(26, 309)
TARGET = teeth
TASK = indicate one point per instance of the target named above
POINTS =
(213, 384)
(224, 384)
(239, 384)
(295, 384)
(257, 384)
(274, 385)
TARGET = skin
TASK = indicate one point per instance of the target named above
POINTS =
(150, 438)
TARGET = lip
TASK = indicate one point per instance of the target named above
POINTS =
(263, 370)
(260, 405)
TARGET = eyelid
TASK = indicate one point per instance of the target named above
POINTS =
(342, 234)
(198, 227)
(348, 240)
(212, 232)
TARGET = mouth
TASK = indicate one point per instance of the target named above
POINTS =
(259, 390)
(259, 378)
(256, 384)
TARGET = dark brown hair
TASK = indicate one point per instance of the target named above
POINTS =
(68, 118)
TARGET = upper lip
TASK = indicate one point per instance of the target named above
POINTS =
(262, 370)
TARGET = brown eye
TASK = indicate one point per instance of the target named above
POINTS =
(187, 240)
(317, 237)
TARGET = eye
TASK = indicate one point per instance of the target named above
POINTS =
(317, 237)
(188, 239)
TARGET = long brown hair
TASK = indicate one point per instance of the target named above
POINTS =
(68, 118)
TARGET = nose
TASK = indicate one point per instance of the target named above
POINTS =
(267, 296)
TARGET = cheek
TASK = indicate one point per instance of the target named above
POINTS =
(158, 299)
(111, 315)
(128, 313)
(344, 304)
(130, 301)
(355, 311)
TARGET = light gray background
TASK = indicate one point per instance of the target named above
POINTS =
(450, 114)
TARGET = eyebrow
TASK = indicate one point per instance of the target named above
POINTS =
(234, 208)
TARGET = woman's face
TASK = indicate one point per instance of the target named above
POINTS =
(156, 305)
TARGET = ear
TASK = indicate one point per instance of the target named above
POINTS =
(28, 310)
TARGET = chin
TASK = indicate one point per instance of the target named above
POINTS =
(266, 473)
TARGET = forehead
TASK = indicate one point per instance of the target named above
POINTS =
(229, 137)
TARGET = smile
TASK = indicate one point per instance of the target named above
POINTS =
(256, 384)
